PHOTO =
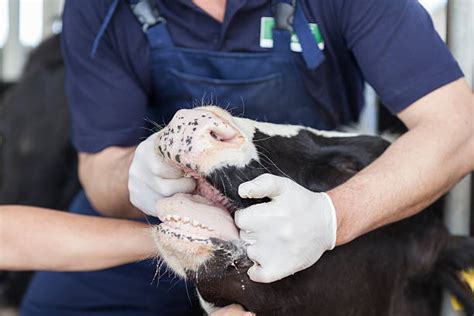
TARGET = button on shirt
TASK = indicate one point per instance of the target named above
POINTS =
(391, 44)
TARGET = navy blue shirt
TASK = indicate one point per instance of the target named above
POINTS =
(390, 44)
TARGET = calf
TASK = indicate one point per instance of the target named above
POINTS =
(398, 269)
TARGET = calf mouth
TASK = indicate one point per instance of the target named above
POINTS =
(195, 227)
(198, 142)
(200, 217)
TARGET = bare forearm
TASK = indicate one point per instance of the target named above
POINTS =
(414, 171)
(104, 177)
(40, 239)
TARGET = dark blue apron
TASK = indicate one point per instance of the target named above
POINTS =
(264, 86)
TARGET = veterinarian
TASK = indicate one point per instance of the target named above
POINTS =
(33, 238)
(128, 62)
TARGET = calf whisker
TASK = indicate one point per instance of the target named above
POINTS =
(240, 179)
(263, 139)
(223, 186)
(156, 127)
(228, 180)
(268, 159)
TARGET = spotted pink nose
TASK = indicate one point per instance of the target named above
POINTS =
(203, 124)
(193, 134)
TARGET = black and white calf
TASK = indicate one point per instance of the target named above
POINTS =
(398, 269)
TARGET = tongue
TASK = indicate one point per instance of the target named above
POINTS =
(200, 209)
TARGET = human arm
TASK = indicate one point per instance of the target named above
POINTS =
(34, 238)
(104, 177)
(116, 178)
(435, 153)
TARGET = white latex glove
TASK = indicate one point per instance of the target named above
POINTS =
(150, 178)
(287, 234)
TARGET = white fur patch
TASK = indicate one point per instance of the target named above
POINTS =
(202, 153)
(181, 255)
(270, 129)
(208, 307)
(330, 134)
(283, 130)
(171, 261)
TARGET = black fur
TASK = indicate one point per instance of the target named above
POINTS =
(398, 269)
(458, 255)
(315, 162)
(37, 160)
(4, 86)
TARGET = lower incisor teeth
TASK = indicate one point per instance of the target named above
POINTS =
(177, 222)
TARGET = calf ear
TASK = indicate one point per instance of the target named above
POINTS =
(353, 154)
(330, 171)
(346, 164)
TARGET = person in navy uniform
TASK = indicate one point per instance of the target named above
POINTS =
(283, 61)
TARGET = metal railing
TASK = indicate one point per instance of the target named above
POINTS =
(14, 53)
(460, 39)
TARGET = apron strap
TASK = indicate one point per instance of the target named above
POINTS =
(153, 24)
(103, 27)
(289, 17)
(312, 55)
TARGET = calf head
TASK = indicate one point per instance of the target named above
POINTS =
(197, 237)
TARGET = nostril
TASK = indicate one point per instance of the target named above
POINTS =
(215, 136)
(223, 134)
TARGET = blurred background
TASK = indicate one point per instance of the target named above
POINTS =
(25, 23)
(37, 162)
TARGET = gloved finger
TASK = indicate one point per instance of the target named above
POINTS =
(160, 167)
(256, 217)
(258, 273)
(267, 267)
(266, 185)
(252, 217)
(255, 253)
(146, 205)
(168, 187)
(247, 236)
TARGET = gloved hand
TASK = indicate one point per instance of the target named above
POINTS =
(287, 234)
(150, 178)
